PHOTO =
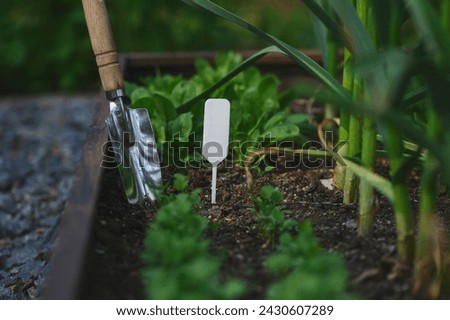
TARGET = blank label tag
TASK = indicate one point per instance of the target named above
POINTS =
(216, 130)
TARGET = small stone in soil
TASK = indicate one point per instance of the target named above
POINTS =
(351, 224)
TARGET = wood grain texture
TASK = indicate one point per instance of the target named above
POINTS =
(103, 44)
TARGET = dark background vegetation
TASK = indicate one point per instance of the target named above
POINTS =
(44, 45)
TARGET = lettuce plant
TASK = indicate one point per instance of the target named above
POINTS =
(259, 113)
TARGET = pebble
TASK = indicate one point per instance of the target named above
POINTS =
(41, 141)
(351, 224)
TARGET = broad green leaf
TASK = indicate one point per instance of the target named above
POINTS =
(162, 107)
(276, 119)
(181, 127)
(282, 132)
(139, 93)
(252, 77)
(204, 71)
(268, 86)
(159, 127)
(302, 122)
(298, 119)
(162, 83)
(183, 91)
(158, 106)
(142, 102)
(269, 106)
(226, 62)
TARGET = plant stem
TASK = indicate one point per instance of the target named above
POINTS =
(347, 83)
(402, 209)
(428, 243)
(354, 148)
(366, 190)
(351, 181)
(368, 151)
(332, 68)
(355, 125)
(331, 62)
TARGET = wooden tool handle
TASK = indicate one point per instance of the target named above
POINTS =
(103, 44)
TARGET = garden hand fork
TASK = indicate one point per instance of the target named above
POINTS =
(130, 130)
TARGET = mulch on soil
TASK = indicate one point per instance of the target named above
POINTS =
(41, 138)
(113, 268)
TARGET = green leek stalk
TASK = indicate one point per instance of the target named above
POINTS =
(332, 68)
(344, 121)
(328, 44)
(351, 182)
(368, 150)
(427, 271)
(331, 64)
(354, 148)
(402, 209)
(366, 190)
(340, 171)
(395, 151)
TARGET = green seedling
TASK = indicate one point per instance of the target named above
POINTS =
(180, 182)
(305, 270)
(271, 214)
(178, 264)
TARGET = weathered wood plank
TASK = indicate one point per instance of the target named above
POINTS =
(74, 230)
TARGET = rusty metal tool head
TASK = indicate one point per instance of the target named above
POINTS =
(130, 130)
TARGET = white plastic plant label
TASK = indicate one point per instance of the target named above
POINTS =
(216, 131)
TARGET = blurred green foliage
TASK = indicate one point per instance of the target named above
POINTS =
(44, 45)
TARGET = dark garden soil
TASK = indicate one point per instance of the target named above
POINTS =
(374, 270)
